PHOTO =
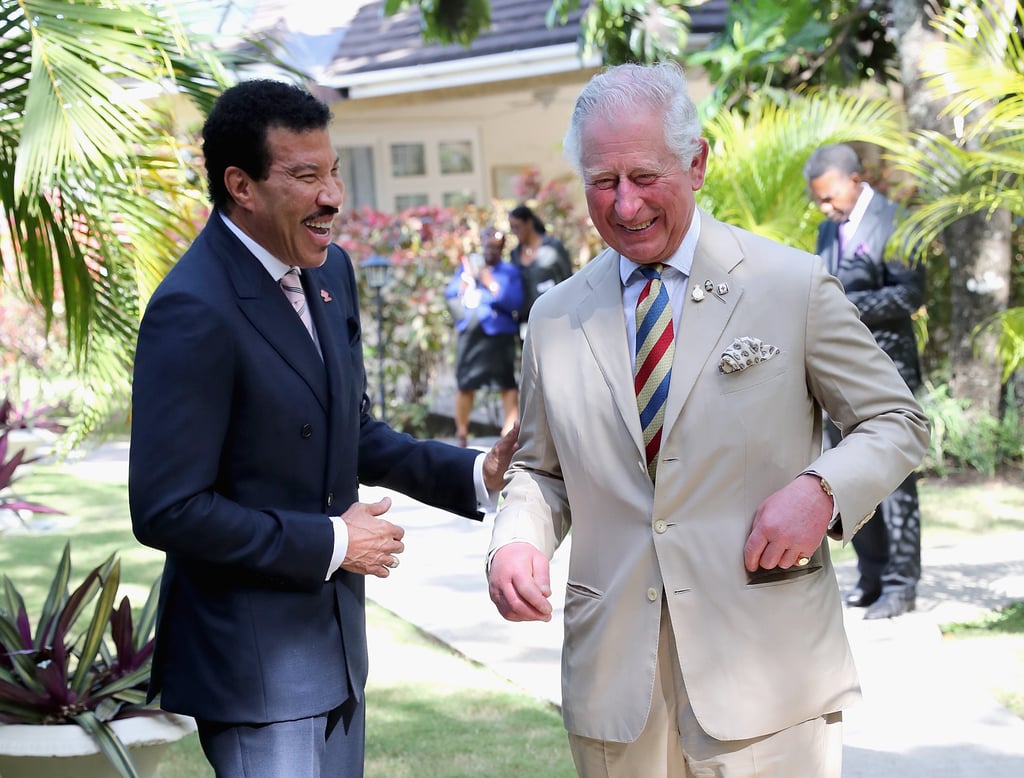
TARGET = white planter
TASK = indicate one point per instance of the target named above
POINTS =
(66, 751)
(31, 441)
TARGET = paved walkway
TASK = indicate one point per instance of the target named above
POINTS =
(922, 716)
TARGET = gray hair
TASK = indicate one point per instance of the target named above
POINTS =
(622, 89)
(836, 156)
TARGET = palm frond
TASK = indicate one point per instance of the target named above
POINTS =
(92, 197)
(755, 177)
(1010, 347)
(980, 67)
(954, 182)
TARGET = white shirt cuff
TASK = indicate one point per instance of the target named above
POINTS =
(486, 500)
(340, 545)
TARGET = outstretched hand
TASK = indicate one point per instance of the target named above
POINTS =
(497, 459)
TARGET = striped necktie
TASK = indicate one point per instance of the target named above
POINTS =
(291, 285)
(655, 345)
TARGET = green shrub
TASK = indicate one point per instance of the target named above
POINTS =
(962, 440)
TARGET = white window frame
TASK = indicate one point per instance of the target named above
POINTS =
(433, 183)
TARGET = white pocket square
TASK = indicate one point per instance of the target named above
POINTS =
(745, 352)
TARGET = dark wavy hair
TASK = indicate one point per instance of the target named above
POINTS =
(525, 214)
(235, 133)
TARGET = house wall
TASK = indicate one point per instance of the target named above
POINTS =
(514, 124)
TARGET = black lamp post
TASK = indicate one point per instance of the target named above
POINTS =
(378, 273)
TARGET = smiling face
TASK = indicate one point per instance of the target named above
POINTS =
(835, 193)
(640, 196)
(292, 211)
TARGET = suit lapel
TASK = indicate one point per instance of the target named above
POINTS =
(867, 225)
(329, 309)
(828, 252)
(265, 306)
(703, 321)
(329, 319)
(603, 324)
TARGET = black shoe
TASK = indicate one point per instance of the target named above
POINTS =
(862, 597)
(891, 604)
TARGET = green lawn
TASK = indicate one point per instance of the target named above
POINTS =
(432, 714)
(436, 715)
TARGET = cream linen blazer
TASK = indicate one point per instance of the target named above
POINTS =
(755, 657)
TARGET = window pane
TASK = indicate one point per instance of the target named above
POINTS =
(404, 201)
(451, 199)
(355, 165)
(505, 180)
(408, 159)
(456, 156)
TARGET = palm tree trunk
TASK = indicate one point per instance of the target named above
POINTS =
(977, 245)
(979, 266)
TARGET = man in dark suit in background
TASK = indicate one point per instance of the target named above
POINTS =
(851, 241)
(251, 433)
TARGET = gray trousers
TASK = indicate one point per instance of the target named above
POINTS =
(325, 746)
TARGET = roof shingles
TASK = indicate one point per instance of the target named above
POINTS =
(376, 42)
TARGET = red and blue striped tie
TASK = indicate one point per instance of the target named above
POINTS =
(655, 346)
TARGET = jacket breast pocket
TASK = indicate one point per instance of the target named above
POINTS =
(755, 375)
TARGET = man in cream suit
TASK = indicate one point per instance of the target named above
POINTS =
(703, 625)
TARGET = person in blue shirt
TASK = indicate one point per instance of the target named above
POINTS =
(485, 296)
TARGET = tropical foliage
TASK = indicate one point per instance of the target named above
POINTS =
(94, 190)
(54, 674)
(627, 30)
(770, 48)
(18, 418)
(755, 170)
(980, 69)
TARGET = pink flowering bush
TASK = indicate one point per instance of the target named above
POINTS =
(424, 245)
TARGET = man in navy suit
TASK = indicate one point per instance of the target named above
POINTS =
(851, 241)
(251, 432)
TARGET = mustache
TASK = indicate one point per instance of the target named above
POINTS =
(326, 211)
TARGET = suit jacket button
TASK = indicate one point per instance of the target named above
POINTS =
(652, 594)
(660, 526)
(307, 431)
(330, 499)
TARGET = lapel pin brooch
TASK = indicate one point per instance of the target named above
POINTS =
(709, 286)
(326, 295)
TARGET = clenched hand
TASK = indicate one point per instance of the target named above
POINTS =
(373, 543)
(520, 583)
(788, 525)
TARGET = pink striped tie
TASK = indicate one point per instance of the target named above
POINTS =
(291, 285)
(655, 346)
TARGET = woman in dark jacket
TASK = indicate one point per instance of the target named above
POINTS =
(542, 259)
